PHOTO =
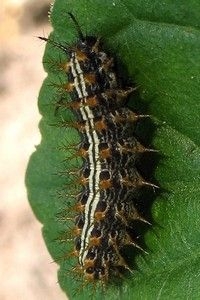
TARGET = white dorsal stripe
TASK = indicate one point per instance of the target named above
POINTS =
(93, 154)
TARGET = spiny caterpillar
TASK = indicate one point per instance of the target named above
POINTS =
(105, 206)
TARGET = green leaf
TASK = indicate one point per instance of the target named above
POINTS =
(157, 44)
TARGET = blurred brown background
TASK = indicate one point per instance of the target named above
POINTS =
(26, 271)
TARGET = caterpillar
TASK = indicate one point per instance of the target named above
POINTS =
(109, 180)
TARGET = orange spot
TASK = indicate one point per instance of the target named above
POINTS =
(83, 180)
(64, 66)
(80, 55)
(78, 125)
(105, 184)
(75, 105)
(105, 153)
(77, 231)
(100, 125)
(90, 78)
(94, 241)
(68, 86)
(91, 101)
(99, 215)
(88, 263)
(79, 207)
(82, 152)
(75, 253)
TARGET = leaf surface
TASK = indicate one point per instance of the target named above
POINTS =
(157, 44)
